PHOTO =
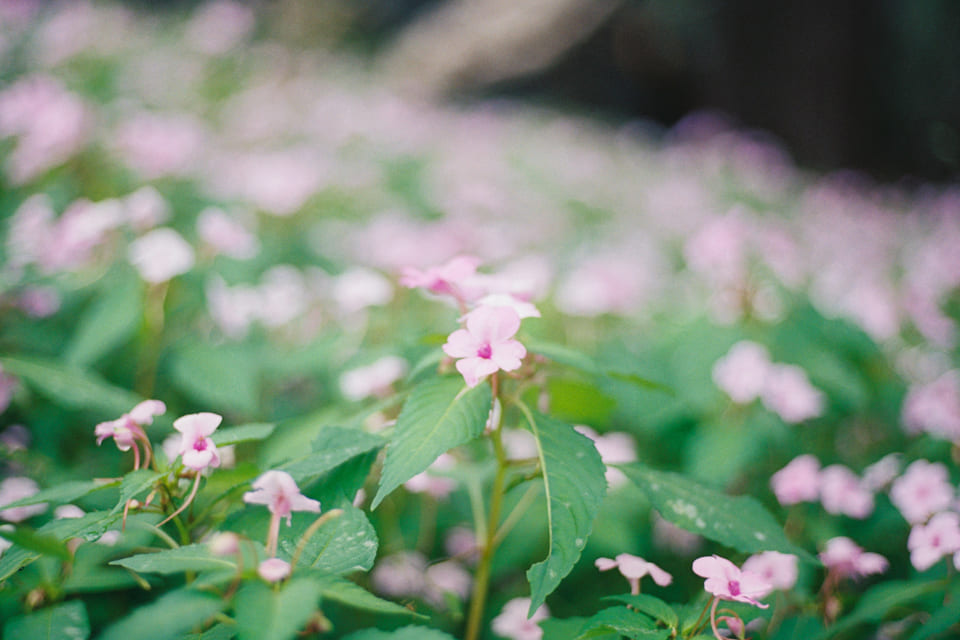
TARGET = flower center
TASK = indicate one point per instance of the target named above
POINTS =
(734, 587)
(200, 445)
(485, 351)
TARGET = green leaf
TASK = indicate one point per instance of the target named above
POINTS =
(334, 446)
(739, 522)
(346, 543)
(63, 493)
(90, 527)
(572, 358)
(265, 614)
(29, 539)
(216, 632)
(135, 483)
(194, 557)
(624, 621)
(877, 603)
(942, 620)
(70, 387)
(166, 617)
(66, 621)
(574, 484)
(569, 629)
(353, 595)
(403, 633)
(242, 433)
(439, 415)
(224, 378)
(653, 607)
(110, 321)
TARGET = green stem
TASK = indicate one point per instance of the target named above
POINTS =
(518, 512)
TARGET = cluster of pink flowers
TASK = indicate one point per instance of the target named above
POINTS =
(839, 490)
(928, 501)
(408, 574)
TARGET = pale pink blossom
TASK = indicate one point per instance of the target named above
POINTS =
(14, 489)
(276, 182)
(400, 574)
(486, 345)
(842, 492)
(233, 309)
(283, 296)
(226, 235)
(68, 511)
(882, 472)
(923, 490)
(726, 581)
(451, 278)
(606, 284)
(845, 557)
(743, 371)
(160, 255)
(461, 542)
(224, 543)
(633, 568)
(788, 393)
(273, 569)
(512, 622)
(935, 407)
(157, 145)
(145, 208)
(82, 228)
(128, 428)
(437, 486)
(718, 250)
(799, 481)
(779, 569)
(358, 288)
(375, 379)
(196, 448)
(669, 536)
(278, 491)
(217, 27)
(523, 308)
(938, 538)
(614, 448)
(447, 577)
(39, 302)
(520, 444)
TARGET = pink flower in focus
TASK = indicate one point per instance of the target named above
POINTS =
(841, 491)
(451, 278)
(845, 557)
(18, 488)
(727, 582)
(513, 622)
(278, 491)
(938, 538)
(788, 393)
(273, 570)
(160, 255)
(923, 490)
(486, 345)
(779, 569)
(799, 481)
(633, 568)
(196, 447)
(743, 372)
(126, 429)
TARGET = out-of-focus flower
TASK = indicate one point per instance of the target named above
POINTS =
(841, 491)
(726, 581)
(882, 472)
(39, 302)
(743, 372)
(461, 542)
(779, 569)
(217, 27)
(196, 448)
(226, 235)
(7, 385)
(358, 288)
(437, 486)
(18, 488)
(16, 437)
(788, 393)
(68, 511)
(605, 284)
(512, 622)
(523, 308)
(667, 535)
(273, 569)
(848, 559)
(935, 407)
(938, 538)
(799, 481)
(233, 309)
(160, 255)
(224, 543)
(278, 491)
(633, 568)
(283, 296)
(400, 574)
(157, 145)
(374, 379)
(923, 490)
(614, 448)
(487, 344)
(451, 278)
(447, 577)
(145, 208)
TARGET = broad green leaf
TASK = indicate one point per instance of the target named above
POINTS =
(653, 607)
(70, 387)
(29, 539)
(942, 619)
(224, 378)
(877, 603)
(109, 322)
(135, 483)
(334, 446)
(90, 527)
(63, 493)
(166, 617)
(194, 557)
(216, 632)
(739, 522)
(572, 358)
(624, 621)
(574, 484)
(265, 614)
(67, 621)
(242, 433)
(346, 543)
(569, 629)
(403, 633)
(353, 595)
(439, 415)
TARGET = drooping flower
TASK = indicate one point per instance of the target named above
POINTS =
(279, 492)
(633, 568)
(923, 490)
(273, 569)
(799, 481)
(845, 557)
(938, 538)
(513, 622)
(779, 569)
(196, 448)
(486, 345)
(726, 581)
(128, 428)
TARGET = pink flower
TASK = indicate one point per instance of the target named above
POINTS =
(400, 574)
(126, 429)
(727, 582)
(788, 393)
(437, 486)
(841, 491)
(451, 278)
(447, 577)
(160, 255)
(226, 235)
(196, 447)
(224, 543)
(799, 481)
(743, 372)
(779, 569)
(938, 538)
(847, 558)
(523, 308)
(486, 345)
(935, 407)
(18, 488)
(613, 448)
(633, 568)
(513, 622)
(278, 491)
(923, 490)
(374, 379)
(273, 570)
